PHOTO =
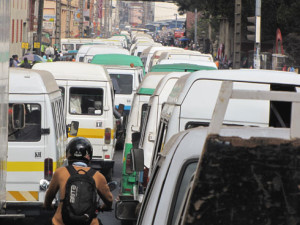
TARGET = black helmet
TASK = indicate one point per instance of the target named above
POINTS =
(78, 148)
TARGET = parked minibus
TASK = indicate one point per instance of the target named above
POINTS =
(135, 120)
(89, 99)
(36, 138)
(247, 156)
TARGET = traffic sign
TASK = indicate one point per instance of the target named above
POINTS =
(37, 45)
(25, 45)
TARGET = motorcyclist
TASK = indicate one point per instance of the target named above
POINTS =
(79, 154)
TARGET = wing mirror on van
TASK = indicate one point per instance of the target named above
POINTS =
(74, 128)
(121, 108)
(18, 116)
(137, 156)
(135, 139)
(127, 210)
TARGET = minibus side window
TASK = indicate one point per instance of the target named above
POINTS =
(32, 130)
(149, 190)
(86, 101)
(182, 185)
(62, 89)
(54, 113)
(159, 144)
(144, 123)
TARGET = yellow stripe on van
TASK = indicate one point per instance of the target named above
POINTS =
(22, 196)
(92, 133)
(27, 166)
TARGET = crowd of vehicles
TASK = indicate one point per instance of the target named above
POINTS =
(165, 107)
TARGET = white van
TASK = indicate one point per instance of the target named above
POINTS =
(36, 138)
(186, 55)
(103, 49)
(156, 55)
(147, 54)
(135, 120)
(150, 125)
(88, 98)
(173, 174)
(125, 80)
(83, 50)
(192, 99)
(188, 61)
(70, 44)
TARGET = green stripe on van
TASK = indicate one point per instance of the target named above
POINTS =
(146, 91)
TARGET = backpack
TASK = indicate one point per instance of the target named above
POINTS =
(80, 202)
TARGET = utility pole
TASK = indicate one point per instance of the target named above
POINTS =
(81, 18)
(40, 24)
(58, 24)
(68, 24)
(195, 35)
(237, 35)
(257, 34)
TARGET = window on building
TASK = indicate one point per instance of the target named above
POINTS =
(17, 31)
(12, 30)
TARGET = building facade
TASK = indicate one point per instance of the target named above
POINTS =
(19, 26)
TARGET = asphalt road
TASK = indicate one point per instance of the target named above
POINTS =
(107, 218)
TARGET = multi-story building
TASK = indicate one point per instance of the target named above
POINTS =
(20, 25)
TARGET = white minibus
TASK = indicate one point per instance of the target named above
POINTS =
(88, 98)
(36, 138)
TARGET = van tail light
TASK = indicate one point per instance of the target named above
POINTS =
(48, 168)
(145, 177)
(107, 136)
(157, 56)
(128, 169)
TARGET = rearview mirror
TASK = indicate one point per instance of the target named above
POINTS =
(18, 116)
(121, 108)
(127, 210)
(135, 139)
(74, 128)
(137, 156)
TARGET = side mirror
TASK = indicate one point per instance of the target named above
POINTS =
(137, 156)
(135, 139)
(112, 185)
(18, 116)
(127, 210)
(74, 128)
(121, 108)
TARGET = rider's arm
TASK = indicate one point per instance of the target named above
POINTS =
(103, 190)
(52, 190)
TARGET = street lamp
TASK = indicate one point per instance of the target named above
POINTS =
(176, 20)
